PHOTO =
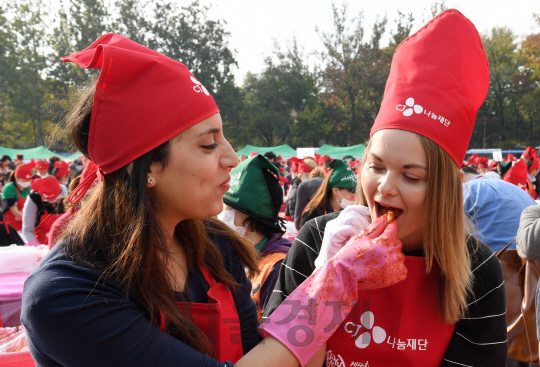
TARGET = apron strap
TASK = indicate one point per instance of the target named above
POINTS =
(207, 276)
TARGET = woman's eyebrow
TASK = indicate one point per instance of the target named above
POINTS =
(213, 130)
(412, 165)
(415, 166)
(376, 156)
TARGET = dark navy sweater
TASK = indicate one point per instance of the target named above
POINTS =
(74, 318)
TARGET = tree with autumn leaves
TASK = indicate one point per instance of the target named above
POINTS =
(333, 100)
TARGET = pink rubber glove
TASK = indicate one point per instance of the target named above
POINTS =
(307, 318)
(34, 243)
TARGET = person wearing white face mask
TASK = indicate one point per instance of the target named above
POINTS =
(42, 210)
(336, 192)
(251, 209)
(14, 195)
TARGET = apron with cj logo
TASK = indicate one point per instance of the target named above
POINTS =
(397, 325)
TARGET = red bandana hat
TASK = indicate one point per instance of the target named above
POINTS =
(438, 79)
(530, 154)
(25, 171)
(48, 187)
(482, 160)
(517, 175)
(63, 169)
(303, 167)
(318, 159)
(138, 90)
(42, 165)
(472, 159)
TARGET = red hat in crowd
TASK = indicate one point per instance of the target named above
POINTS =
(472, 159)
(279, 158)
(42, 165)
(303, 167)
(253, 154)
(482, 165)
(48, 187)
(438, 79)
(531, 154)
(25, 171)
(482, 160)
(294, 166)
(143, 87)
(517, 175)
(63, 169)
(493, 165)
(511, 158)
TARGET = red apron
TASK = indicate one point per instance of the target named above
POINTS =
(218, 319)
(16, 224)
(397, 325)
(41, 231)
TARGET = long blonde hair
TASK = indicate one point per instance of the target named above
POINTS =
(444, 231)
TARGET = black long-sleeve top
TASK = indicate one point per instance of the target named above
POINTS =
(75, 318)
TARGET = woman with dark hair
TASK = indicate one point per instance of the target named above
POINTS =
(251, 209)
(143, 275)
(336, 192)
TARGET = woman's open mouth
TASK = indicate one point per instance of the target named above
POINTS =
(382, 209)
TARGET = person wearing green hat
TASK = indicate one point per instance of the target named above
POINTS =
(251, 208)
(336, 192)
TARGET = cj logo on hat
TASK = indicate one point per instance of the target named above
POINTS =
(409, 107)
(409, 111)
(198, 86)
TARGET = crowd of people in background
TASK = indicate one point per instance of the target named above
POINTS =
(34, 196)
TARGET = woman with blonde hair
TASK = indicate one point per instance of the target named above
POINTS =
(450, 311)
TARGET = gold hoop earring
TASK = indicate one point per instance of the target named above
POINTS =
(151, 180)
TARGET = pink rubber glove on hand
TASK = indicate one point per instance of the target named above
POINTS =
(307, 319)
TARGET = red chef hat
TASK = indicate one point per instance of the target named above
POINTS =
(42, 165)
(47, 187)
(138, 88)
(511, 158)
(530, 154)
(517, 175)
(438, 79)
(63, 169)
(25, 171)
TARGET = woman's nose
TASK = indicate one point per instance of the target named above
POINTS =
(387, 185)
(229, 158)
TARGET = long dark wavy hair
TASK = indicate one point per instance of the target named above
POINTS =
(116, 233)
